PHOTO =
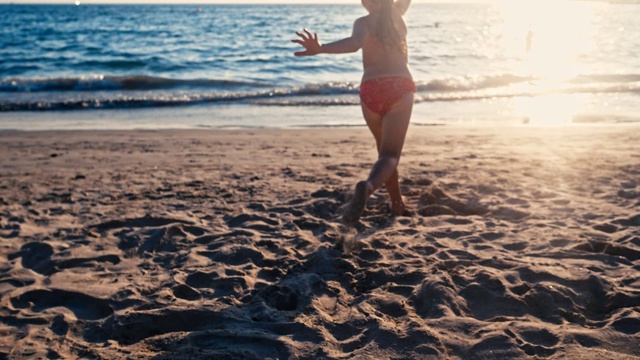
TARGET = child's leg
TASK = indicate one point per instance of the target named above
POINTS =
(393, 188)
(364, 189)
(394, 127)
(374, 122)
(389, 133)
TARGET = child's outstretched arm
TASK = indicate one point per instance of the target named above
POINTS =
(402, 6)
(312, 45)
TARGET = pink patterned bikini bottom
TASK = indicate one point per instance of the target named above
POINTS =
(380, 94)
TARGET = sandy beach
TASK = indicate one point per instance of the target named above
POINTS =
(524, 243)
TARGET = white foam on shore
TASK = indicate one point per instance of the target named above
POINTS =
(561, 109)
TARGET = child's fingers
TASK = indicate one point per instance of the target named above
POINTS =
(308, 34)
(301, 35)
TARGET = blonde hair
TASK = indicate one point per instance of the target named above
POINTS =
(385, 30)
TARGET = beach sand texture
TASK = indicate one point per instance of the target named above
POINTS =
(525, 243)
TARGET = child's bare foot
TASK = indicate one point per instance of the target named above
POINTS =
(398, 208)
(357, 204)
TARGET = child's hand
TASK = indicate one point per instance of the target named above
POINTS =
(310, 42)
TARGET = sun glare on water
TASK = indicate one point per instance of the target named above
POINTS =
(546, 39)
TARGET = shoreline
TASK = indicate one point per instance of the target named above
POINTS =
(507, 112)
(491, 127)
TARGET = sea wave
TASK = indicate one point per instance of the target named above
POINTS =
(127, 92)
(472, 82)
(127, 82)
(146, 82)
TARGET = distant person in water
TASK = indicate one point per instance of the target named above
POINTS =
(529, 39)
(386, 92)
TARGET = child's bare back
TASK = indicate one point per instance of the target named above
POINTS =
(378, 60)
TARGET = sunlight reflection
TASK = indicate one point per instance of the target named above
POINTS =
(545, 40)
(553, 109)
(548, 36)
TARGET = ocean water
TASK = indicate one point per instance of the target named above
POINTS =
(220, 66)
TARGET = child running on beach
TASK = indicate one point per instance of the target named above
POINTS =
(386, 92)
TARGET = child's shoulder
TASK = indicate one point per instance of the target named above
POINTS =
(362, 22)
(363, 19)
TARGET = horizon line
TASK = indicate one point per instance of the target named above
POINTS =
(265, 2)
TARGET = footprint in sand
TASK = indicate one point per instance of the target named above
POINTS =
(436, 298)
(627, 325)
(37, 257)
(509, 214)
(11, 228)
(492, 236)
(186, 292)
(628, 194)
(84, 262)
(85, 307)
(201, 279)
(235, 255)
(233, 284)
(229, 286)
(630, 222)
(435, 210)
(496, 347)
(393, 306)
(534, 341)
(488, 298)
(316, 226)
(435, 202)
(516, 246)
(606, 228)
(560, 242)
(237, 221)
(601, 247)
